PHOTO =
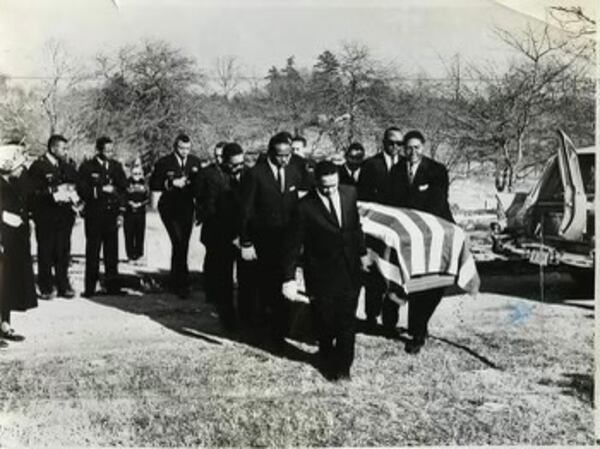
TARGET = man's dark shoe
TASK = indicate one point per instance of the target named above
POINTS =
(390, 332)
(414, 346)
(46, 296)
(3, 344)
(68, 293)
(87, 294)
(344, 376)
(10, 335)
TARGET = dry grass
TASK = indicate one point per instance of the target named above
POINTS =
(156, 371)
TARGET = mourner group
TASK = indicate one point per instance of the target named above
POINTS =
(261, 218)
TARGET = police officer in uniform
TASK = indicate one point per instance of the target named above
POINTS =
(54, 197)
(175, 175)
(102, 184)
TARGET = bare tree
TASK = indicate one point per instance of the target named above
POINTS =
(63, 75)
(504, 116)
(228, 74)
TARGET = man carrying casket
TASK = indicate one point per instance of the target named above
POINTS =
(421, 183)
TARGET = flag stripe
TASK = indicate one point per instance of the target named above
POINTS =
(417, 251)
(381, 235)
(437, 241)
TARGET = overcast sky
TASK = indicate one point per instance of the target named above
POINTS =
(414, 34)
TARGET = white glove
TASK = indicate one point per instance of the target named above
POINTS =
(60, 197)
(397, 299)
(289, 290)
(13, 220)
(249, 253)
(109, 188)
(180, 182)
(365, 262)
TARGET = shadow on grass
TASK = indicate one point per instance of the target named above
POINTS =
(522, 280)
(469, 351)
(195, 318)
(578, 385)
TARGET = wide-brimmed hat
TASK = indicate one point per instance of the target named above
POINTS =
(11, 157)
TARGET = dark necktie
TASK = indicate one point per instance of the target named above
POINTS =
(332, 212)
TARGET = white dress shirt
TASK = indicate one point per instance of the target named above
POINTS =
(389, 161)
(53, 160)
(411, 170)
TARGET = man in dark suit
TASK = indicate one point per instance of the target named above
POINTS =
(220, 207)
(374, 185)
(327, 227)
(421, 183)
(350, 170)
(299, 159)
(102, 184)
(374, 181)
(206, 187)
(53, 180)
(270, 196)
(175, 176)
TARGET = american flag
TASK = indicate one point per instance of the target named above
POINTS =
(417, 251)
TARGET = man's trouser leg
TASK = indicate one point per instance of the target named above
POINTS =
(110, 237)
(421, 306)
(45, 233)
(63, 253)
(93, 243)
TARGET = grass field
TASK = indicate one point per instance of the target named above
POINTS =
(154, 370)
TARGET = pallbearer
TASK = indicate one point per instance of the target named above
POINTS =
(375, 185)
(175, 175)
(419, 182)
(53, 180)
(102, 183)
(270, 195)
(327, 229)
(134, 226)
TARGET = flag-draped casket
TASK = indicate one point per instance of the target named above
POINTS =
(417, 251)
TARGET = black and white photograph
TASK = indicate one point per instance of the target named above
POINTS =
(300, 223)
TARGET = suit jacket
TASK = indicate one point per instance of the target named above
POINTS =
(428, 191)
(92, 177)
(45, 178)
(306, 169)
(168, 168)
(331, 255)
(219, 206)
(264, 207)
(346, 178)
(374, 181)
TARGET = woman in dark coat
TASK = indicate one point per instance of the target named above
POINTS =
(17, 286)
